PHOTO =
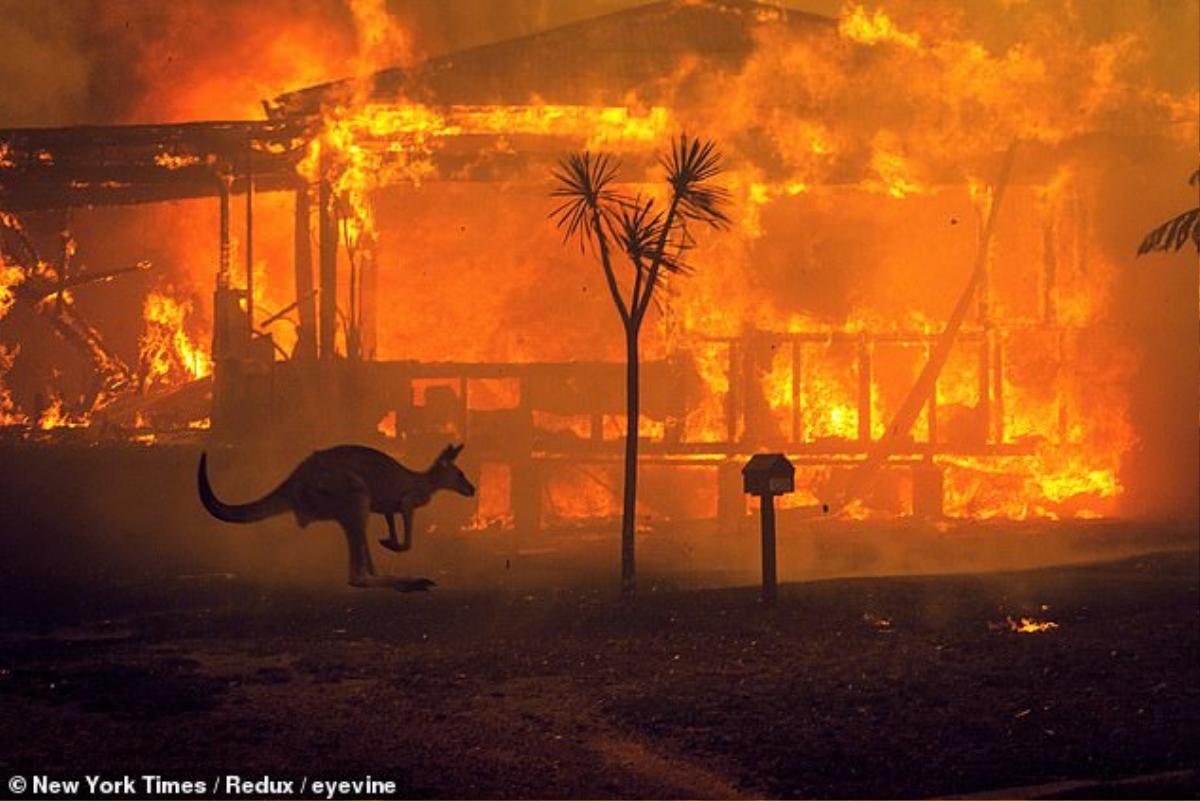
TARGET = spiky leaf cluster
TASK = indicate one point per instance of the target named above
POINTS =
(653, 237)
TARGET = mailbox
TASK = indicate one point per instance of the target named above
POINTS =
(768, 474)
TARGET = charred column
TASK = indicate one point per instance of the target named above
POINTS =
(306, 337)
(797, 390)
(864, 389)
(997, 344)
(368, 305)
(931, 408)
(250, 242)
(225, 309)
(985, 355)
(733, 398)
(224, 264)
(327, 231)
(229, 329)
(984, 428)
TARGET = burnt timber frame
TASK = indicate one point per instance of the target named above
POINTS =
(42, 169)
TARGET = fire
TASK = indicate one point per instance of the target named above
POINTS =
(10, 276)
(370, 147)
(871, 29)
(609, 128)
(495, 497)
(1028, 625)
(168, 355)
(862, 163)
(387, 425)
(892, 172)
(171, 161)
(8, 410)
(56, 415)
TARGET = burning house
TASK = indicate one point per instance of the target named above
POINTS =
(922, 280)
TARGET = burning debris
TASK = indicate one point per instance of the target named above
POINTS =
(167, 355)
(1028, 625)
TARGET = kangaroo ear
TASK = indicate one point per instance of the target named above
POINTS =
(450, 453)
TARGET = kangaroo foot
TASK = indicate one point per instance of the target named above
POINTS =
(391, 545)
(403, 584)
(413, 584)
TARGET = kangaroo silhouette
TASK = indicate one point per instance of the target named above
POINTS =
(346, 484)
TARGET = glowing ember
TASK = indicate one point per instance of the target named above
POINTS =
(387, 425)
(56, 416)
(1028, 625)
(10, 277)
(171, 161)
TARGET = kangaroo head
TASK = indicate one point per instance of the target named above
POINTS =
(446, 475)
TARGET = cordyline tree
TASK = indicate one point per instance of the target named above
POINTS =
(1177, 231)
(644, 242)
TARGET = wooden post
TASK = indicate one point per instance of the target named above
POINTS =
(997, 342)
(306, 345)
(734, 396)
(221, 317)
(224, 265)
(1049, 272)
(864, 390)
(932, 408)
(797, 390)
(767, 507)
(368, 280)
(985, 386)
(327, 231)
(250, 242)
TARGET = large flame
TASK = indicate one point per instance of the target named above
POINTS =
(862, 219)
(168, 354)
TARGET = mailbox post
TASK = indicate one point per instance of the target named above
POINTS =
(767, 475)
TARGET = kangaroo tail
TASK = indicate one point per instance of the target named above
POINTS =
(271, 504)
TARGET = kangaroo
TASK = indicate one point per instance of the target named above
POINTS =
(346, 484)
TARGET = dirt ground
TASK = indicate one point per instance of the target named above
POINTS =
(906, 686)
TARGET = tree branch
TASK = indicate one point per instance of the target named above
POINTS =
(606, 262)
(660, 252)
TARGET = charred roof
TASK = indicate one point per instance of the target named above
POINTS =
(599, 61)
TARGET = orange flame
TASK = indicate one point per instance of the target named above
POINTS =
(168, 354)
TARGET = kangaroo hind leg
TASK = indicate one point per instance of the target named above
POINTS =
(362, 570)
(353, 520)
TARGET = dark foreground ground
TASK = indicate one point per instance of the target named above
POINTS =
(863, 687)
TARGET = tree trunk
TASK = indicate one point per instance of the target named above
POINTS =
(629, 507)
